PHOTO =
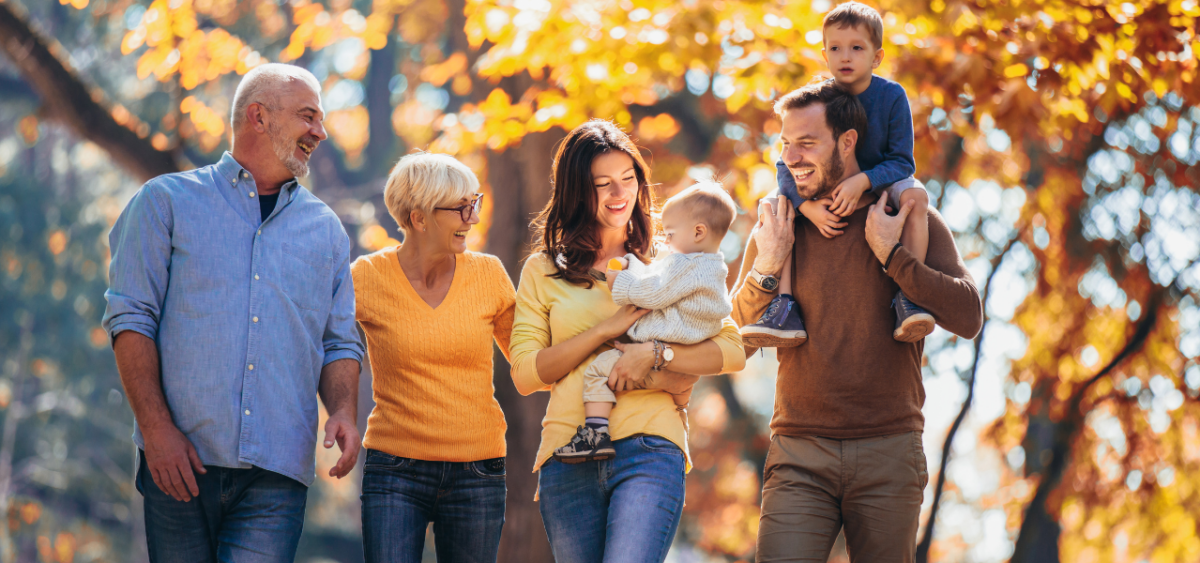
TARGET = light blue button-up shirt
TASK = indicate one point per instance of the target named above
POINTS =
(245, 312)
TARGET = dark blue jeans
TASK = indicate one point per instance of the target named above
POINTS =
(241, 515)
(622, 510)
(463, 500)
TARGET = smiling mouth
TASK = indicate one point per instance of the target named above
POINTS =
(617, 207)
(307, 147)
(802, 175)
(460, 234)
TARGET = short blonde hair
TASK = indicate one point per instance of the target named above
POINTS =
(422, 181)
(708, 203)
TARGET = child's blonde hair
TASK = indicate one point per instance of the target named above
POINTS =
(708, 203)
(854, 14)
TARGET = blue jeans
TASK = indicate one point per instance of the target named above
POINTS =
(463, 500)
(241, 515)
(624, 510)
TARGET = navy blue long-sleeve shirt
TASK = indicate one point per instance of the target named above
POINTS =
(885, 152)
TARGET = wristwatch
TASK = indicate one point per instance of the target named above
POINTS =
(769, 283)
(668, 354)
(663, 354)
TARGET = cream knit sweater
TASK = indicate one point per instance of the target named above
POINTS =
(685, 292)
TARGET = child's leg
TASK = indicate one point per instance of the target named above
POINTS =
(592, 440)
(915, 236)
(597, 410)
(912, 322)
(785, 278)
(598, 399)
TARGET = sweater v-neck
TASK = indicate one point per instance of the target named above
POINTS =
(459, 260)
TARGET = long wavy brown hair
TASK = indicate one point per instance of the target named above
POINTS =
(567, 229)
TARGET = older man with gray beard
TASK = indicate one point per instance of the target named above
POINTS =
(231, 309)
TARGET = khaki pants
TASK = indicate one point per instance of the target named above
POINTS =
(595, 384)
(595, 378)
(813, 487)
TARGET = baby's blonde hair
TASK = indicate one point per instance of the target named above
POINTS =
(422, 181)
(708, 203)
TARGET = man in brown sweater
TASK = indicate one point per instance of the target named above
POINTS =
(846, 446)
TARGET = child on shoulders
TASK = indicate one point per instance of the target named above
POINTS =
(853, 49)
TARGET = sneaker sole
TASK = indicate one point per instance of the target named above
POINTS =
(595, 455)
(773, 338)
(914, 328)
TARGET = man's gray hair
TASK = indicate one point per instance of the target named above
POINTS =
(262, 85)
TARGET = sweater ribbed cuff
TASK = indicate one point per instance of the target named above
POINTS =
(620, 290)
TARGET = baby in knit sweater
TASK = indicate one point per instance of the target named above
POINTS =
(685, 291)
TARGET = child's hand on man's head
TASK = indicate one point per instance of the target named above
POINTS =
(846, 194)
(818, 211)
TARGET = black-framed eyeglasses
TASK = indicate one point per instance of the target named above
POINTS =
(468, 210)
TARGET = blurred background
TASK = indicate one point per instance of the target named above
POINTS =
(1058, 138)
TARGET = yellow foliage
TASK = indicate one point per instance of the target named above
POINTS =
(350, 129)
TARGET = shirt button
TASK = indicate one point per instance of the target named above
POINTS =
(251, 367)
(260, 231)
(245, 174)
(255, 276)
(255, 319)
(251, 194)
(247, 412)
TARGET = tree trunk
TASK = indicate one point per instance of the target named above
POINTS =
(67, 99)
(520, 182)
(1037, 540)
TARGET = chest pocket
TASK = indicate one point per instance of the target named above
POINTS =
(305, 277)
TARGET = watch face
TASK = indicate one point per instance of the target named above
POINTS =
(668, 354)
(770, 283)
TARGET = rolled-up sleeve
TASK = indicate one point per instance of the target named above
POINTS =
(729, 340)
(341, 339)
(138, 273)
(531, 329)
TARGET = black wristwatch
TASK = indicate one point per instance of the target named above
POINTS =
(769, 283)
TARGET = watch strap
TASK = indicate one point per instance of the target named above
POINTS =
(759, 278)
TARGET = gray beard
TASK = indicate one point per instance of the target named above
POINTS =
(285, 150)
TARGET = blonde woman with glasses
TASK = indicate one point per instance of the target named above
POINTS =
(431, 310)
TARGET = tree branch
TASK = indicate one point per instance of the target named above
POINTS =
(69, 100)
(927, 537)
(1065, 431)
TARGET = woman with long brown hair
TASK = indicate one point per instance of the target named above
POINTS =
(626, 508)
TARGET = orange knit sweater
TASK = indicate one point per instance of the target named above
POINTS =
(432, 368)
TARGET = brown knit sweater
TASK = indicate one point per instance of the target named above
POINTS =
(852, 379)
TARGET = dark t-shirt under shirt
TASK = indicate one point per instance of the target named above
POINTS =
(266, 204)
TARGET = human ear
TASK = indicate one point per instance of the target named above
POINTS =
(256, 117)
(878, 58)
(417, 219)
(701, 231)
(848, 142)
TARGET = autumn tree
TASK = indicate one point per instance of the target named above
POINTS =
(1059, 139)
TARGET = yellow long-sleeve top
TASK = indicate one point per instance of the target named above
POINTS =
(551, 311)
(432, 368)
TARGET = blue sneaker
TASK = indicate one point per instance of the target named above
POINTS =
(779, 327)
(912, 322)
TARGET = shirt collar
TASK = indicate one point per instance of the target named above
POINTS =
(235, 173)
